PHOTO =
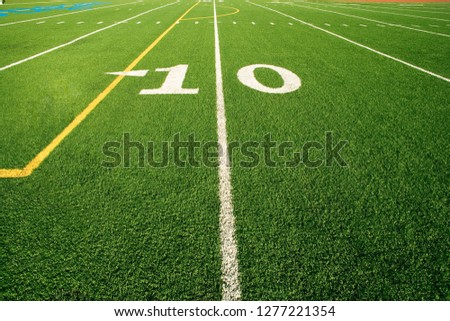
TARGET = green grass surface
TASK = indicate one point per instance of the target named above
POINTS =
(374, 230)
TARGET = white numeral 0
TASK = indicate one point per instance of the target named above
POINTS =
(291, 82)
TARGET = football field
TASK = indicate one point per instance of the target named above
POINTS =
(224, 150)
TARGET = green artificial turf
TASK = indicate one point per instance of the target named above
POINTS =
(376, 229)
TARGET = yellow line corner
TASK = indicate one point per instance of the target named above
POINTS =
(14, 173)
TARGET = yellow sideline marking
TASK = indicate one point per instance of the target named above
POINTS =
(39, 158)
(218, 16)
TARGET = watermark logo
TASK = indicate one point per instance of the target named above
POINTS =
(189, 152)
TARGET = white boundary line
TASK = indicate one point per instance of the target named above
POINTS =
(403, 9)
(377, 21)
(80, 38)
(391, 13)
(356, 43)
(64, 14)
(231, 289)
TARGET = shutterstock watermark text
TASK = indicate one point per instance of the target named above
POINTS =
(191, 152)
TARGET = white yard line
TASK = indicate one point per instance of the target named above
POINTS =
(231, 289)
(64, 14)
(384, 12)
(80, 38)
(356, 43)
(373, 20)
(406, 9)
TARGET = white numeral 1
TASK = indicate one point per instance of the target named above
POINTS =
(173, 83)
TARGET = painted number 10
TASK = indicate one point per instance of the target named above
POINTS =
(173, 83)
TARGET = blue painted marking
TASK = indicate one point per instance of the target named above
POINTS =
(39, 9)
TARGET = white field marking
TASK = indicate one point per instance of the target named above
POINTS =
(291, 82)
(356, 43)
(382, 26)
(138, 23)
(417, 26)
(290, 23)
(411, 5)
(344, 25)
(60, 22)
(362, 25)
(327, 24)
(173, 84)
(80, 22)
(132, 73)
(40, 22)
(231, 289)
(81, 38)
(434, 26)
(100, 22)
(376, 21)
(63, 14)
(410, 10)
(391, 13)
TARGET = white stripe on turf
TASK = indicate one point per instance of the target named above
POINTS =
(384, 12)
(406, 9)
(356, 43)
(80, 38)
(373, 20)
(231, 289)
(64, 14)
